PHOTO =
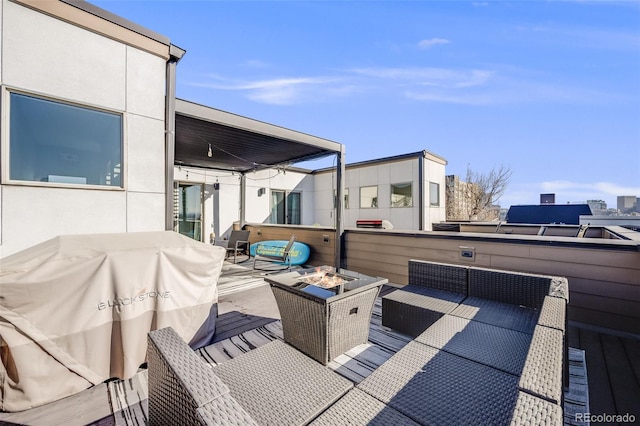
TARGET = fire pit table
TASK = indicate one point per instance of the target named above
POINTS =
(325, 313)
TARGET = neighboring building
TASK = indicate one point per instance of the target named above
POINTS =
(627, 203)
(547, 198)
(95, 160)
(457, 206)
(458, 202)
(207, 201)
(597, 206)
(407, 190)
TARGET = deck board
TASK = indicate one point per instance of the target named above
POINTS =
(632, 348)
(88, 407)
(624, 386)
(600, 394)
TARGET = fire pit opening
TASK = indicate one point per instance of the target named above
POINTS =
(325, 279)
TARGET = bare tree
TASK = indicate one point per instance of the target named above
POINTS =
(483, 190)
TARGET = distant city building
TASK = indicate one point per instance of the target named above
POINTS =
(547, 198)
(627, 203)
(457, 205)
(597, 206)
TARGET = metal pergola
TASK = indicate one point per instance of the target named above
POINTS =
(243, 145)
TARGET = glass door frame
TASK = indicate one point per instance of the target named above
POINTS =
(286, 200)
(177, 202)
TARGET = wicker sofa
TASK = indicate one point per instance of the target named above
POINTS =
(435, 289)
(505, 330)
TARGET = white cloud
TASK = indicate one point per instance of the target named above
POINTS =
(585, 37)
(606, 188)
(427, 44)
(287, 91)
(282, 91)
(500, 85)
(256, 63)
(438, 77)
(461, 99)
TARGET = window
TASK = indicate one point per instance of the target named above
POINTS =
(57, 142)
(285, 208)
(368, 197)
(434, 194)
(401, 195)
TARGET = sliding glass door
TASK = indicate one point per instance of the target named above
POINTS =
(190, 210)
(285, 207)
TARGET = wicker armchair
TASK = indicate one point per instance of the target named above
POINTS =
(270, 385)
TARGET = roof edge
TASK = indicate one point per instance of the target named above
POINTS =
(99, 21)
(391, 159)
(117, 19)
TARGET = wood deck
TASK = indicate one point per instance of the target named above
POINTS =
(246, 303)
(613, 370)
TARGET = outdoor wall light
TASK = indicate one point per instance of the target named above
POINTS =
(261, 192)
(209, 152)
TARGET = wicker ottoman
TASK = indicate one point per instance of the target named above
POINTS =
(279, 385)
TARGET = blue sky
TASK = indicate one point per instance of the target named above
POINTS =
(550, 89)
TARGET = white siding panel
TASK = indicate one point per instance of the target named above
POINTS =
(1, 28)
(368, 175)
(145, 154)
(324, 181)
(404, 218)
(145, 84)
(31, 215)
(46, 55)
(145, 212)
(403, 171)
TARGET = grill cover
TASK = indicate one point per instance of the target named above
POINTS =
(75, 310)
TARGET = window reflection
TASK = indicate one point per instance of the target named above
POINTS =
(401, 195)
(62, 143)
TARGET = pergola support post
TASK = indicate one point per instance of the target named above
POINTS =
(243, 200)
(340, 173)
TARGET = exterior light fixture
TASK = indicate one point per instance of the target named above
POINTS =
(209, 152)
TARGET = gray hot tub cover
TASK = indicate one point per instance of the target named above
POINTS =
(75, 310)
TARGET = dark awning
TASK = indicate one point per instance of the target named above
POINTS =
(239, 143)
